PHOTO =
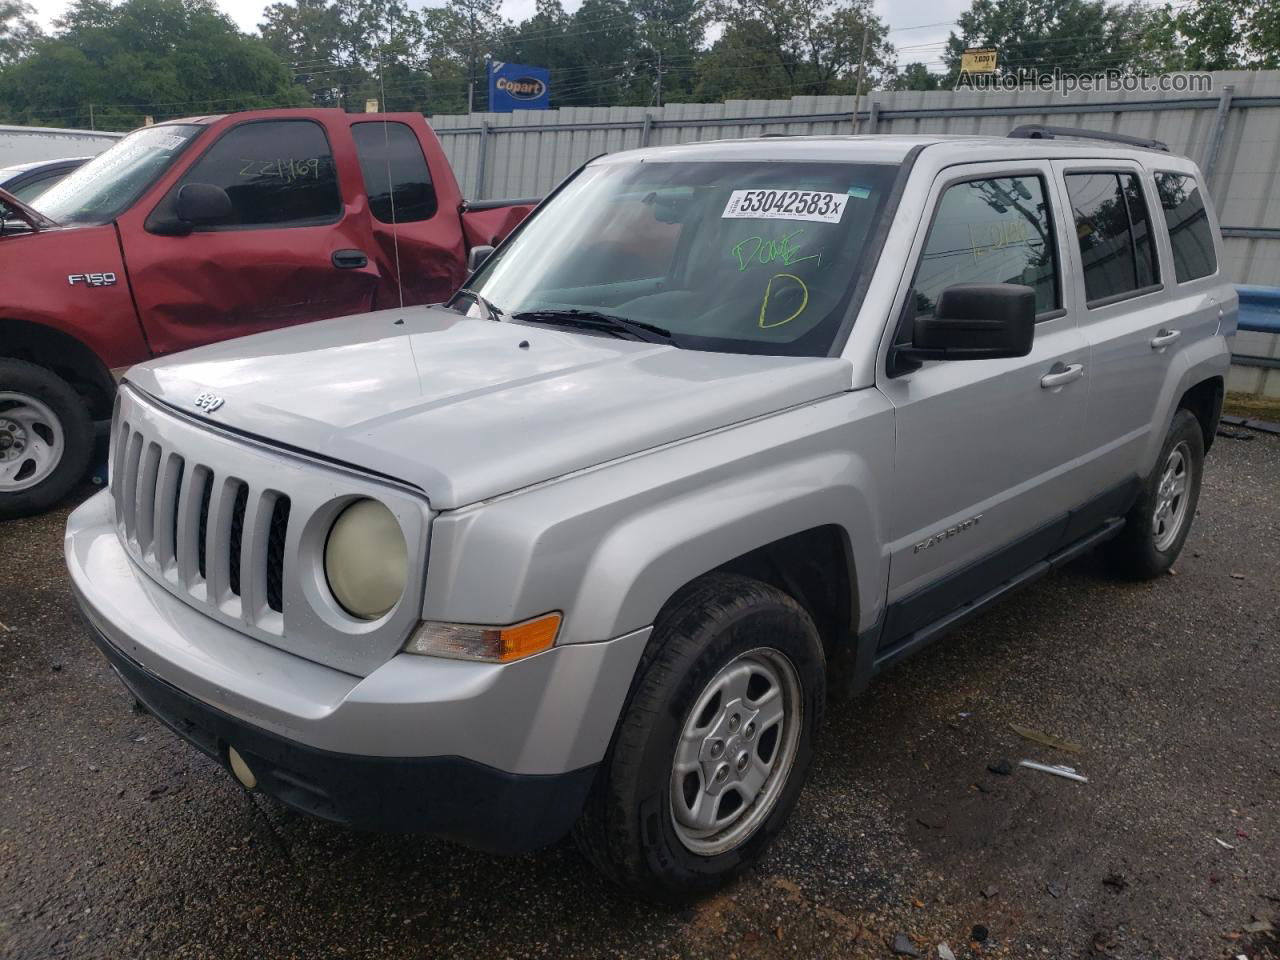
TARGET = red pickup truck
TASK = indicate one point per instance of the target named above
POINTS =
(204, 229)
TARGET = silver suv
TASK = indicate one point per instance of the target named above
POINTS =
(581, 550)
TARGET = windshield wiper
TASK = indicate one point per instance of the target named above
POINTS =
(493, 312)
(604, 322)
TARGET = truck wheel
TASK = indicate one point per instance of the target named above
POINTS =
(1157, 525)
(46, 439)
(714, 743)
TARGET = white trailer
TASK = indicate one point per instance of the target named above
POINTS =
(26, 144)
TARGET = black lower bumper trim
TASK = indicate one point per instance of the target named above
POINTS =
(449, 797)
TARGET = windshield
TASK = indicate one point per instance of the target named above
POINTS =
(104, 187)
(747, 257)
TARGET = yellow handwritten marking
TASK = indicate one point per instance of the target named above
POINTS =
(768, 290)
(986, 237)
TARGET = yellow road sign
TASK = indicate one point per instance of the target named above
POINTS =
(981, 60)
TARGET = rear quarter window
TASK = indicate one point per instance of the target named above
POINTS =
(1187, 220)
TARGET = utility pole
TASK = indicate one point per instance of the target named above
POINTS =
(659, 96)
(857, 93)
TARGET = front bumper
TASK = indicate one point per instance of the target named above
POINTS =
(496, 756)
(446, 796)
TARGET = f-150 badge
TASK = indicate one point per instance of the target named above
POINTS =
(92, 279)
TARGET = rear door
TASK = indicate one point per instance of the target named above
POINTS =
(414, 238)
(1132, 332)
(986, 449)
(295, 247)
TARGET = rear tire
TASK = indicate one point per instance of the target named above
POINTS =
(713, 745)
(1157, 525)
(46, 439)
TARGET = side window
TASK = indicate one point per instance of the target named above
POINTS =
(1113, 229)
(278, 173)
(1188, 223)
(395, 172)
(990, 231)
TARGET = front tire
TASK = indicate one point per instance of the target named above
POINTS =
(714, 743)
(46, 439)
(1157, 525)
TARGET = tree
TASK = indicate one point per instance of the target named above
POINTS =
(314, 40)
(465, 31)
(17, 30)
(1230, 34)
(1076, 36)
(916, 76)
(162, 58)
(810, 47)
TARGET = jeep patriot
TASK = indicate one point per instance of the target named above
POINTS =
(578, 550)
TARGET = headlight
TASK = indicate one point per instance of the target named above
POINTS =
(366, 560)
(465, 641)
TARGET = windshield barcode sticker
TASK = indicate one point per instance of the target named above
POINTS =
(811, 205)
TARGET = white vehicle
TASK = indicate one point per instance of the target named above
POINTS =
(717, 416)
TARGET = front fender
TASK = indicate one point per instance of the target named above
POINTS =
(608, 546)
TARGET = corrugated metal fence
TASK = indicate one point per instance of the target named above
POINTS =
(28, 144)
(1233, 132)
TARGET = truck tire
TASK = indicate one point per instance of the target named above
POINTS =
(713, 744)
(1157, 525)
(46, 439)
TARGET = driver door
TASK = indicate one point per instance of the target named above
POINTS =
(986, 449)
(291, 250)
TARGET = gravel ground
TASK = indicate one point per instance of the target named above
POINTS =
(119, 841)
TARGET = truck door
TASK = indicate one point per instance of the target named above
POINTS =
(986, 449)
(290, 251)
(413, 237)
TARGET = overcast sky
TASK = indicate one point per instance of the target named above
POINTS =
(923, 43)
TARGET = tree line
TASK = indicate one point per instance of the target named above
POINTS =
(112, 64)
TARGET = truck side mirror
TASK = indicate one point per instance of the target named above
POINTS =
(477, 257)
(201, 204)
(975, 321)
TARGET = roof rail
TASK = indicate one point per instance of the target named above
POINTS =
(1038, 131)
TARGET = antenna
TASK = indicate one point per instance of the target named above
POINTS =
(386, 146)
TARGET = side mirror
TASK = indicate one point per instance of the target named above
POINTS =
(200, 204)
(975, 321)
(478, 255)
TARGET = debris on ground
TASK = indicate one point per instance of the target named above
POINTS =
(1258, 926)
(1048, 739)
(1115, 881)
(944, 952)
(903, 947)
(1237, 576)
(1002, 767)
(1058, 770)
(990, 891)
(1055, 889)
(1234, 434)
(1223, 844)
(979, 933)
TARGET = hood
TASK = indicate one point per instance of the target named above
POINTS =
(33, 217)
(468, 409)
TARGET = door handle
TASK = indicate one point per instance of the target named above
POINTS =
(349, 259)
(1061, 375)
(1164, 338)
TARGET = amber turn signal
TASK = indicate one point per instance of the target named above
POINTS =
(462, 641)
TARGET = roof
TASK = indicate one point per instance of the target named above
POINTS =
(873, 148)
